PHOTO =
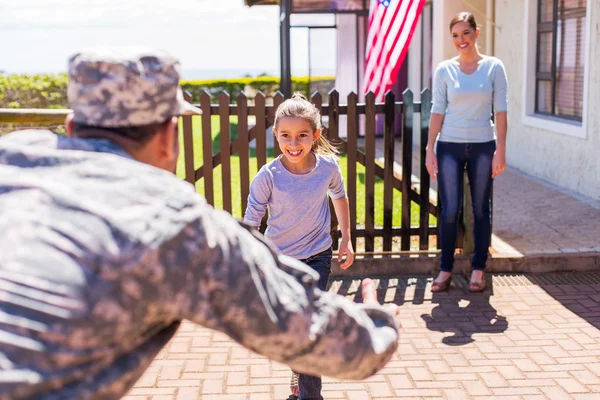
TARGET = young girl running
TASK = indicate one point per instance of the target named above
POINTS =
(295, 189)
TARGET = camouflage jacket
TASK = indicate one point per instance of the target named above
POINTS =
(103, 256)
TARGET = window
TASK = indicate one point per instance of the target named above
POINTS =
(560, 58)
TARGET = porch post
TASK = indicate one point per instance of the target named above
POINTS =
(284, 49)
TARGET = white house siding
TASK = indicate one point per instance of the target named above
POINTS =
(549, 153)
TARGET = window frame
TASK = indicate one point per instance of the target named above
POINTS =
(559, 124)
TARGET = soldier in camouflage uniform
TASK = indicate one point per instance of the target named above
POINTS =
(104, 251)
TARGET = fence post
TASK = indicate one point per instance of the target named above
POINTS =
(225, 141)
(333, 134)
(408, 110)
(188, 143)
(277, 100)
(207, 150)
(244, 153)
(389, 137)
(317, 100)
(260, 111)
(423, 174)
(370, 117)
(351, 150)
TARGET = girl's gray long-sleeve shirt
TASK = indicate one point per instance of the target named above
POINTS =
(299, 221)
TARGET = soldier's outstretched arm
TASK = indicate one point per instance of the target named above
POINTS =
(226, 277)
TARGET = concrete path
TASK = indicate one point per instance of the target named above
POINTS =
(535, 218)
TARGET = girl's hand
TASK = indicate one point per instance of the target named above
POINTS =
(498, 163)
(431, 163)
(345, 250)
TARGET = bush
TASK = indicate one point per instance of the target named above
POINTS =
(50, 91)
(268, 85)
(33, 91)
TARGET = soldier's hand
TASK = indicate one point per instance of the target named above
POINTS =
(369, 295)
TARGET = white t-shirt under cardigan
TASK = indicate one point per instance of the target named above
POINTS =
(466, 100)
(299, 222)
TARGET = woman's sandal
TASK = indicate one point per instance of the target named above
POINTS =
(442, 285)
(294, 386)
(476, 287)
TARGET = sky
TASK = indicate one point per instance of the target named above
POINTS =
(212, 38)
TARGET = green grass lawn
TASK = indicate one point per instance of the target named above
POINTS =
(235, 178)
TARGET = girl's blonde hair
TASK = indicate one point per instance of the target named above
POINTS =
(298, 106)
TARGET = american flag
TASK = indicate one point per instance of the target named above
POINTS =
(391, 26)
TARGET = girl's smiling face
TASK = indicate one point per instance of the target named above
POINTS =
(296, 138)
(464, 37)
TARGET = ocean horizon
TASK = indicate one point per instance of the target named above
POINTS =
(210, 73)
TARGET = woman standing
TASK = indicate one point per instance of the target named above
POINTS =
(467, 89)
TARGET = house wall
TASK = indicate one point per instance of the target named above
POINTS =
(564, 155)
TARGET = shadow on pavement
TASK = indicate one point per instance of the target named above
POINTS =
(464, 314)
(457, 311)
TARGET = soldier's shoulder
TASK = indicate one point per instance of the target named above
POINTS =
(28, 137)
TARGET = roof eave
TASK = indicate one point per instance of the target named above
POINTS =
(251, 3)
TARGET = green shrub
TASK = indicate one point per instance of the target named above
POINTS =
(50, 91)
(33, 91)
(268, 85)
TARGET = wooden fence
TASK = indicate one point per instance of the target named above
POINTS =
(360, 152)
(374, 159)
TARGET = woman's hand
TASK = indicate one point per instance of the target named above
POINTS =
(498, 163)
(431, 163)
(345, 250)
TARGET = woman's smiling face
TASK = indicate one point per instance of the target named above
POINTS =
(464, 37)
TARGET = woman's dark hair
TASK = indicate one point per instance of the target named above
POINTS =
(464, 16)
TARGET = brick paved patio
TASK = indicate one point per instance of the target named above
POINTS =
(524, 338)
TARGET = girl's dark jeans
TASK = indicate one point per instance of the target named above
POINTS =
(310, 386)
(452, 160)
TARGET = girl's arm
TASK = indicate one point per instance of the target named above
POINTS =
(258, 199)
(342, 212)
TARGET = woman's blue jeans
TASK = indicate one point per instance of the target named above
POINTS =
(310, 386)
(452, 160)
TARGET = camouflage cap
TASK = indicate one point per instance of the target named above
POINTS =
(125, 87)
